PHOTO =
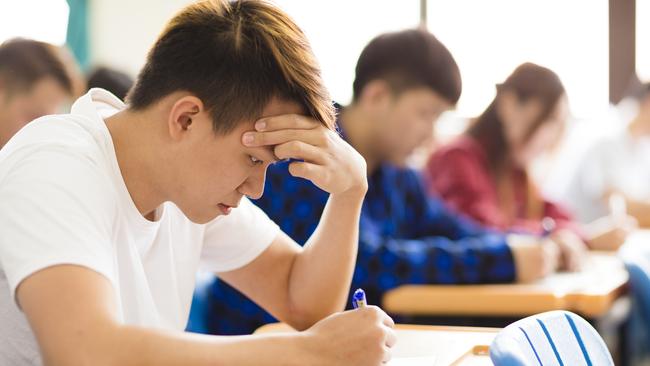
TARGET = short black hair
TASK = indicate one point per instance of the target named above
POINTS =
(409, 59)
(114, 81)
(235, 55)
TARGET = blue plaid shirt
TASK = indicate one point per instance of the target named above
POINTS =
(405, 238)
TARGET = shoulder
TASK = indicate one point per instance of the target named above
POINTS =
(462, 148)
(58, 154)
(402, 174)
(461, 155)
(75, 134)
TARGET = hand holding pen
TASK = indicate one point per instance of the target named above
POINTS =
(363, 336)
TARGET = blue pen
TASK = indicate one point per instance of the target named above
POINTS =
(359, 299)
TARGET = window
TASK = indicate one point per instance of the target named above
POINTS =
(490, 38)
(42, 20)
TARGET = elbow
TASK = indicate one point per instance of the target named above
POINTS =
(82, 358)
(79, 359)
(92, 350)
(301, 318)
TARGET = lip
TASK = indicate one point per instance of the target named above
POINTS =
(225, 209)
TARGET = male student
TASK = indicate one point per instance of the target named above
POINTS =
(34, 81)
(107, 212)
(403, 82)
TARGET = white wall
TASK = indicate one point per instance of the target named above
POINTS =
(121, 31)
(490, 38)
(338, 30)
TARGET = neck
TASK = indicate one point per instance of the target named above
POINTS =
(132, 134)
(358, 126)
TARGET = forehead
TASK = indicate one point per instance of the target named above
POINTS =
(425, 95)
(46, 91)
(275, 107)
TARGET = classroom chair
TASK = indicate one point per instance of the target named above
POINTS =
(551, 338)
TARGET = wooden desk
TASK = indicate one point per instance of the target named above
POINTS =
(590, 293)
(450, 346)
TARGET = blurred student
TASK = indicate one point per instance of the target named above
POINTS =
(116, 82)
(483, 173)
(108, 212)
(613, 177)
(34, 81)
(403, 82)
(612, 180)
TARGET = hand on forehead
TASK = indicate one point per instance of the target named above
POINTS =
(277, 130)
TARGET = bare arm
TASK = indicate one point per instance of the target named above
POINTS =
(72, 311)
(303, 285)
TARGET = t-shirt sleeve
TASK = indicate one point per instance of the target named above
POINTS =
(56, 208)
(232, 241)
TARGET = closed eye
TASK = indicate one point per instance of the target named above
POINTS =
(255, 161)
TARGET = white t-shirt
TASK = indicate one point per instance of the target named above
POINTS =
(620, 163)
(63, 201)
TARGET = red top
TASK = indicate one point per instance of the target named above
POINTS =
(459, 174)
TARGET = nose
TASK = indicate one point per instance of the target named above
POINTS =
(253, 186)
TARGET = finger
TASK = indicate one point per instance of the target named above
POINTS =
(256, 139)
(306, 170)
(388, 355)
(286, 121)
(388, 321)
(577, 264)
(391, 337)
(300, 150)
(571, 263)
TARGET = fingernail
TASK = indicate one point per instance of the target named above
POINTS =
(248, 138)
(260, 125)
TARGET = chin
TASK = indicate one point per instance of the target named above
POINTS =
(399, 162)
(202, 217)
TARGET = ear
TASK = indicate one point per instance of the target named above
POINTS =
(376, 92)
(182, 114)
